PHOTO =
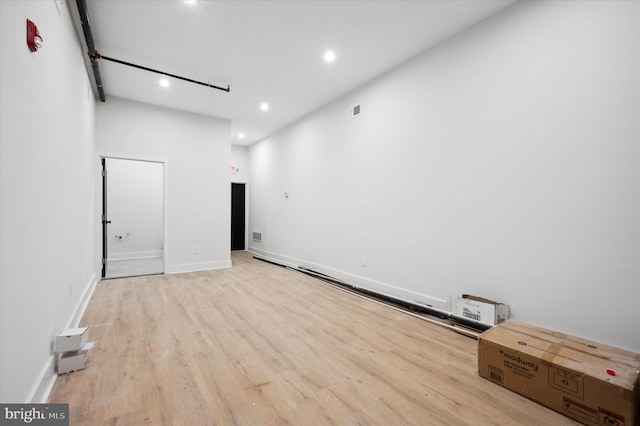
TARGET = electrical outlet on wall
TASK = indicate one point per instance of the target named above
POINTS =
(196, 250)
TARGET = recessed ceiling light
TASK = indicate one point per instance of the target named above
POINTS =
(329, 56)
(164, 82)
(190, 1)
(264, 106)
(240, 135)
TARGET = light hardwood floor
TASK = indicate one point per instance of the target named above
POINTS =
(257, 344)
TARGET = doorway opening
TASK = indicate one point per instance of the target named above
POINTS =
(132, 218)
(238, 214)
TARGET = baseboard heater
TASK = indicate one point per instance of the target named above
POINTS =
(443, 319)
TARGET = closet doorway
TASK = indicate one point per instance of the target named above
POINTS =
(132, 218)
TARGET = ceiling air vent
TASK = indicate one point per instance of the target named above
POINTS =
(257, 236)
(354, 111)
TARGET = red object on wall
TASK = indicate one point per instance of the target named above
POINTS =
(34, 40)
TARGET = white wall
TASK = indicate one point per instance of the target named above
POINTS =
(196, 150)
(48, 263)
(135, 203)
(502, 163)
(240, 159)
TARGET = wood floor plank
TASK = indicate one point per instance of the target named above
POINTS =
(257, 344)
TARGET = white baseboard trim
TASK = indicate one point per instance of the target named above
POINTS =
(279, 258)
(381, 288)
(135, 255)
(197, 267)
(44, 386)
(46, 380)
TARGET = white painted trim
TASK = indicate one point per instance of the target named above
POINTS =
(165, 182)
(381, 288)
(84, 301)
(197, 267)
(41, 390)
(165, 247)
(133, 157)
(129, 255)
(285, 260)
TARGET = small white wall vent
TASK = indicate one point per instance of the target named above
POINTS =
(257, 236)
(354, 111)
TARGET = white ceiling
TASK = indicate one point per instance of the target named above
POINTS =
(267, 51)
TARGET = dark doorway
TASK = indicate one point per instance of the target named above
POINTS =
(237, 216)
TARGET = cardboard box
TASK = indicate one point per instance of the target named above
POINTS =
(72, 339)
(590, 382)
(74, 360)
(481, 310)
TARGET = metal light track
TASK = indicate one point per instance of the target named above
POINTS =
(94, 56)
(118, 61)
